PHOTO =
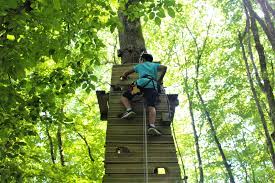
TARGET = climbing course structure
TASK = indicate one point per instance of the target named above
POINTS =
(131, 155)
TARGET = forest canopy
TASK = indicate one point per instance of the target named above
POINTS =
(55, 54)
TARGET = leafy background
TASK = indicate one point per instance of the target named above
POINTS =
(54, 54)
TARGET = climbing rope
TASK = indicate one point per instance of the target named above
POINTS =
(145, 145)
(176, 142)
(144, 135)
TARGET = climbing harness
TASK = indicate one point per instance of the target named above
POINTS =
(145, 145)
(135, 89)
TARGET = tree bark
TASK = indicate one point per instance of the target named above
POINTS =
(88, 147)
(261, 113)
(258, 78)
(50, 143)
(266, 25)
(196, 138)
(60, 145)
(214, 134)
(269, 24)
(131, 39)
(263, 66)
(209, 119)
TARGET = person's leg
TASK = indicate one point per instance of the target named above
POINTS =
(150, 96)
(125, 100)
(152, 115)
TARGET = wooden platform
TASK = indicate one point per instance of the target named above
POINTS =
(124, 156)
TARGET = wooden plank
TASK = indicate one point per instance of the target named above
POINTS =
(133, 130)
(137, 157)
(140, 179)
(172, 169)
(118, 70)
(132, 122)
(137, 106)
(112, 147)
(139, 111)
(137, 139)
(138, 101)
(102, 99)
(119, 93)
(116, 113)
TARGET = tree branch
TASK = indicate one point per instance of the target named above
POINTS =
(87, 145)
(50, 143)
(60, 144)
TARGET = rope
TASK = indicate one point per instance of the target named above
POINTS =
(145, 145)
(176, 142)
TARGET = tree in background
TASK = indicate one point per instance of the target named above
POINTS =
(54, 54)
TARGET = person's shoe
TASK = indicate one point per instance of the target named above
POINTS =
(153, 131)
(128, 114)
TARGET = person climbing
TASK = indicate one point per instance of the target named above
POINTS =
(147, 84)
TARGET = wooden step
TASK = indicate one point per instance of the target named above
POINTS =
(138, 139)
(113, 147)
(137, 157)
(115, 113)
(171, 169)
(133, 122)
(137, 108)
(140, 178)
(133, 129)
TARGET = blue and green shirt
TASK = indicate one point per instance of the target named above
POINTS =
(147, 68)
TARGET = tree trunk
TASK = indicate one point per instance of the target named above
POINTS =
(196, 138)
(88, 147)
(269, 24)
(214, 134)
(260, 50)
(50, 143)
(60, 145)
(261, 113)
(131, 40)
(209, 119)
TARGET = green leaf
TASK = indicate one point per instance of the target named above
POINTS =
(88, 90)
(145, 18)
(81, 2)
(10, 37)
(15, 147)
(161, 13)
(92, 86)
(10, 155)
(21, 143)
(31, 133)
(84, 86)
(152, 15)
(112, 28)
(158, 21)
(2, 32)
(56, 4)
(93, 78)
(97, 62)
(12, 3)
(171, 12)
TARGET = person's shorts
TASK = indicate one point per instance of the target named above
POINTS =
(150, 95)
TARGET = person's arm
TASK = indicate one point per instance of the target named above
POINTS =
(126, 73)
(162, 69)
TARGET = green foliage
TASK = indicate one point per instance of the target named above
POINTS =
(224, 86)
(49, 55)
(55, 54)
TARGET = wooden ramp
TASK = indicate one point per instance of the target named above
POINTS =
(124, 156)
